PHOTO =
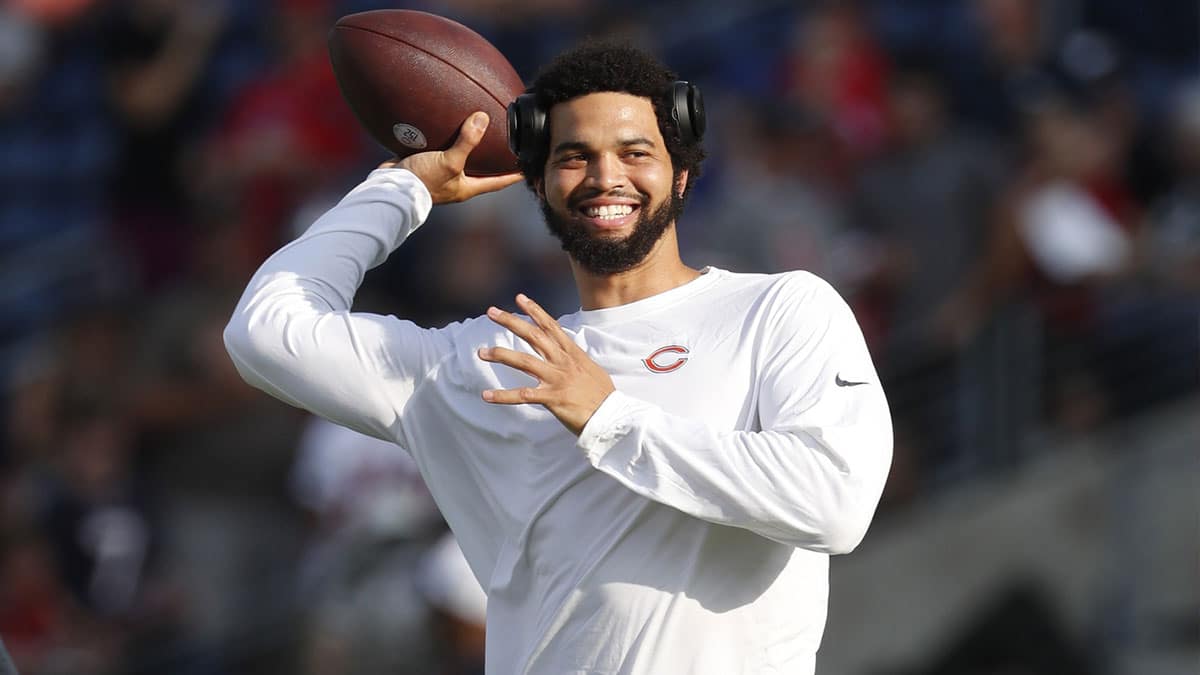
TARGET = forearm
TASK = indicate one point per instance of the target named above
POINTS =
(812, 488)
(334, 254)
(151, 92)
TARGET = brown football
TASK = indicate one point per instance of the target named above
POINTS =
(412, 78)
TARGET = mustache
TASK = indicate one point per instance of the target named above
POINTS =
(592, 194)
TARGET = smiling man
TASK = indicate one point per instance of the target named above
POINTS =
(650, 485)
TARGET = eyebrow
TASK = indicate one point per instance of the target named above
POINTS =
(566, 146)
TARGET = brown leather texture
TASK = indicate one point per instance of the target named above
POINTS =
(430, 73)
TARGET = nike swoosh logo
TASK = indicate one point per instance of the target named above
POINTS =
(843, 383)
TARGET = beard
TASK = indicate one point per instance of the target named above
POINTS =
(604, 255)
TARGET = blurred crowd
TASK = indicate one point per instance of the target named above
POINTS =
(1006, 191)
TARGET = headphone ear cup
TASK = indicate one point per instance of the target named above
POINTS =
(526, 127)
(688, 111)
(514, 129)
(699, 117)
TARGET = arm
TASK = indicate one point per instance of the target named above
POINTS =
(293, 335)
(814, 474)
(148, 93)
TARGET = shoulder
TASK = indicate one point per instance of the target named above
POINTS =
(780, 307)
(472, 331)
(470, 334)
(784, 290)
(796, 306)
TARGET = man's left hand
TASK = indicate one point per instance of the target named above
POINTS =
(570, 384)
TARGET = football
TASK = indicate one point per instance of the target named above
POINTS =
(412, 78)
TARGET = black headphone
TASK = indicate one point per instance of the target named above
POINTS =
(527, 122)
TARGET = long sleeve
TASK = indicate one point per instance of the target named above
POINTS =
(810, 478)
(293, 334)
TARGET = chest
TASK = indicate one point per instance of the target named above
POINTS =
(701, 372)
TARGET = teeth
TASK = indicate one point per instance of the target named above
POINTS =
(609, 211)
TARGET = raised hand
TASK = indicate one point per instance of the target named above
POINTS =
(442, 170)
(570, 384)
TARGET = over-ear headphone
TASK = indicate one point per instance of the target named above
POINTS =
(527, 122)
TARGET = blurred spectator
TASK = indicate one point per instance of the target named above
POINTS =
(835, 68)
(1149, 332)
(780, 206)
(1171, 246)
(275, 146)
(1001, 62)
(530, 32)
(217, 451)
(156, 53)
(927, 200)
(469, 266)
(86, 356)
(372, 518)
(56, 147)
(1160, 40)
(471, 255)
(42, 628)
(925, 204)
(74, 442)
(1065, 234)
(460, 607)
(100, 517)
(358, 486)
(97, 513)
(23, 45)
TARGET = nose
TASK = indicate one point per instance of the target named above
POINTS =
(606, 173)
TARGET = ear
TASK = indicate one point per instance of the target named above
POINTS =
(539, 185)
(681, 183)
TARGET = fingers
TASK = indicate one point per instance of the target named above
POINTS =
(479, 185)
(530, 333)
(444, 171)
(514, 396)
(544, 334)
(546, 322)
(523, 362)
(469, 136)
(526, 363)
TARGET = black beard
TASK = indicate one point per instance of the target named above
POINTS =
(602, 255)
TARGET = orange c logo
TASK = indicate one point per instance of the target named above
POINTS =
(660, 365)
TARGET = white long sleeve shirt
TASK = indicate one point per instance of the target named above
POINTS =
(686, 529)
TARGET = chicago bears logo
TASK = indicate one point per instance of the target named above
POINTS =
(666, 359)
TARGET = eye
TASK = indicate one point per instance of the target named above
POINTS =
(571, 159)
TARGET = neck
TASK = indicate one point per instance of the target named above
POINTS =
(661, 271)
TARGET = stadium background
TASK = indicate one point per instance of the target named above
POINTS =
(1007, 192)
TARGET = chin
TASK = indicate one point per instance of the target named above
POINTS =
(611, 233)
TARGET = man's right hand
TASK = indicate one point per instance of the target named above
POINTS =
(442, 170)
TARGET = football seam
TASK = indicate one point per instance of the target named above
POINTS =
(426, 51)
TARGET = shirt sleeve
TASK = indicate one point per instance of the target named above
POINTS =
(812, 476)
(293, 335)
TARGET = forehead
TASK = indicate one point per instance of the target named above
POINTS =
(602, 116)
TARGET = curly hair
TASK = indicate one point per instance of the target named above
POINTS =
(611, 66)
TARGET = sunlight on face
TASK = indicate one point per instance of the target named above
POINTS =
(609, 192)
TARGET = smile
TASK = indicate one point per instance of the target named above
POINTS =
(608, 212)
